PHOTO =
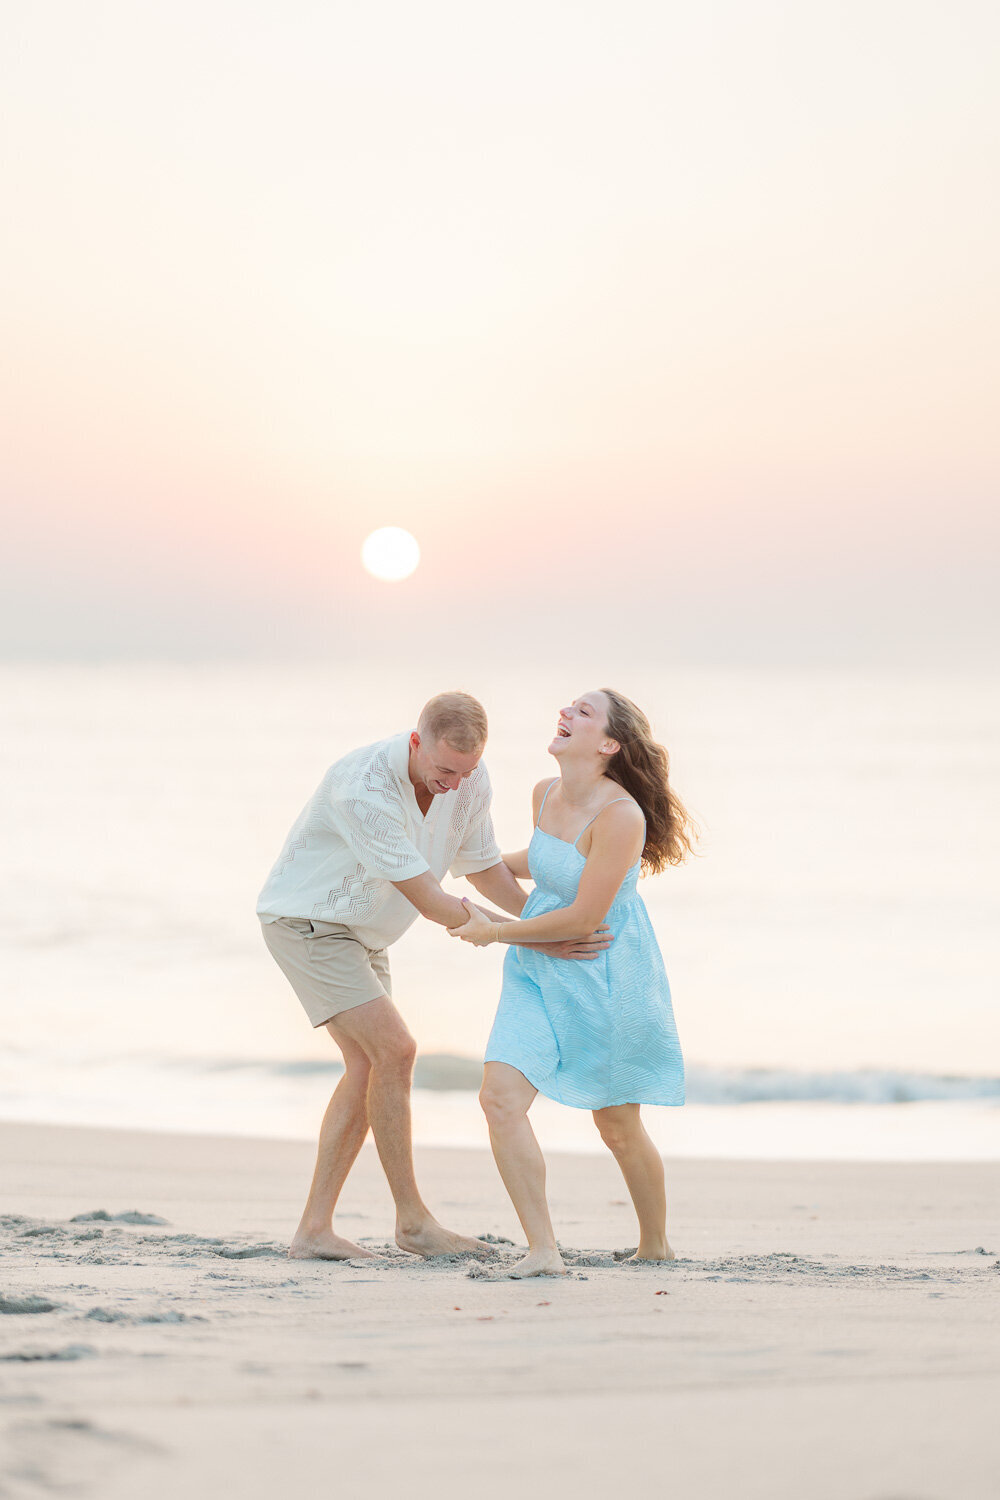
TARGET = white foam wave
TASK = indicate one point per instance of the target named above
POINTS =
(705, 1084)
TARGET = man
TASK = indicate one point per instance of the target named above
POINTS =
(364, 859)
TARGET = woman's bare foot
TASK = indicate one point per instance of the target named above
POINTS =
(432, 1239)
(539, 1263)
(656, 1250)
(323, 1244)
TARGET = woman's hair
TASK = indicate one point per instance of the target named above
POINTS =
(642, 767)
(457, 718)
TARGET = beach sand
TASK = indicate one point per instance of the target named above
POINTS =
(828, 1331)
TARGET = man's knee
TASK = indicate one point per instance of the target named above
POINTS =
(395, 1054)
(379, 1032)
(357, 1069)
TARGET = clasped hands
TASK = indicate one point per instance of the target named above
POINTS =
(480, 931)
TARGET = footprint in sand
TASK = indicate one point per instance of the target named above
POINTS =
(130, 1216)
(68, 1351)
(26, 1305)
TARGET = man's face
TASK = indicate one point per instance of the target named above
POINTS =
(439, 766)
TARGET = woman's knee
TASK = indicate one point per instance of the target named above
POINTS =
(500, 1106)
(618, 1130)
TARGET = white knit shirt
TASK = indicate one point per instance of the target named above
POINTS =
(362, 829)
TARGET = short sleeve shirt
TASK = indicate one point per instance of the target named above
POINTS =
(362, 829)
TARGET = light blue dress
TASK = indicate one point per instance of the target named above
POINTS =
(588, 1032)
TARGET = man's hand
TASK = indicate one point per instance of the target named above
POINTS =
(586, 948)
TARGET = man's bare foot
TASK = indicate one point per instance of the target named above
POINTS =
(433, 1239)
(661, 1251)
(539, 1263)
(323, 1244)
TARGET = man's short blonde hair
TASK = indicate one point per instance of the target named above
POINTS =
(457, 718)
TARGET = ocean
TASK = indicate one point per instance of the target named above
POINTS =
(833, 950)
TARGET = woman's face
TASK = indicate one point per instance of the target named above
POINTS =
(582, 732)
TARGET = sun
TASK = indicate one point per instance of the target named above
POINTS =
(390, 553)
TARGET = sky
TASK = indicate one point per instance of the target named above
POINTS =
(667, 326)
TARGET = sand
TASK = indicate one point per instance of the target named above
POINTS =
(826, 1331)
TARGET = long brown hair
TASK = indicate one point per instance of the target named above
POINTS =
(642, 767)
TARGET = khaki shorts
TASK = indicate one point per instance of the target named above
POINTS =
(327, 966)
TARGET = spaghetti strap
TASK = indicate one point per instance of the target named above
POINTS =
(544, 795)
(597, 814)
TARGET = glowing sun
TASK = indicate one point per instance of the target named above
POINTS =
(390, 553)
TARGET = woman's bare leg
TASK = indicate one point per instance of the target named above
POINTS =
(624, 1134)
(506, 1097)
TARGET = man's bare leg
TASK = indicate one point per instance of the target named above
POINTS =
(379, 1030)
(341, 1137)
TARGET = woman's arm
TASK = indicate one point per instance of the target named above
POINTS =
(615, 845)
(498, 884)
(517, 864)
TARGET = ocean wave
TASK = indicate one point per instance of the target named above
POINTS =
(445, 1072)
(866, 1086)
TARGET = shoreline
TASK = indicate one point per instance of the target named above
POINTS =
(924, 1131)
(54, 1168)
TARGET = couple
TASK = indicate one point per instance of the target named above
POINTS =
(584, 1015)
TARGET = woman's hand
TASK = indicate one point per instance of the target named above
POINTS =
(478, 930)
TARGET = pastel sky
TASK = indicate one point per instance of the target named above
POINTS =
(671, 323)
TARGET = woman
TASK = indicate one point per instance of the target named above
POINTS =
(596, 1035)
